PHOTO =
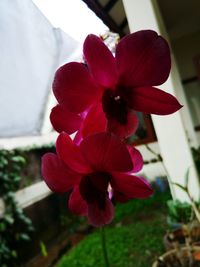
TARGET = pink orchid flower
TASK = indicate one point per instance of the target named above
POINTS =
(100, 163)
(86, 123)
(120, 85)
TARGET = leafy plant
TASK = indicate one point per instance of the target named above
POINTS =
(133, 239)
(185, 188)
(179, 212)
(183, 238)
(13, 220)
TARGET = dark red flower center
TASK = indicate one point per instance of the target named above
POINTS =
(94, 188)
(115, 106)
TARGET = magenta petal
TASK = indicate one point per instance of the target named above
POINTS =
(123, 130)
(76, 203)
(143, 58)
(136, 158)
(127, 187)
(64, 120)
(99, 217)
(57, 176)
(74, 87)
(100, 61)
(78, 138)
(71, 154)
(105, 152)
(153, 101)
(94, 122)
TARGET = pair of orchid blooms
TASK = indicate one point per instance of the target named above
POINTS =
(98, 100)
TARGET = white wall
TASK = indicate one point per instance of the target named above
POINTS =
(170, 130)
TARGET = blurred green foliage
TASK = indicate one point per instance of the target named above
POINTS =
(179, 212)
(134, 239)
(13, 220)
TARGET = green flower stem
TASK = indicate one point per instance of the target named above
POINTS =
(103, 243)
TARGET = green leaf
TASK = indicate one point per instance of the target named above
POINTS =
(17, 179)
(179, 212)
(3, 162)
(24, 237)
(43, 249)
(180, 186)
(9, 219)
(187, 177)
(19, 159)
(172, 207)
(31, 228)
(14, 253)
(2, 227)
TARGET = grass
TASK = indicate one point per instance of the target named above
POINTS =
(134, 239)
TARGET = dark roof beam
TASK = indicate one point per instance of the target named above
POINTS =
(109, 5)
(98, 10)
(123, 23)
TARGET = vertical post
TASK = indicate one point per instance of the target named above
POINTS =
(170, 130)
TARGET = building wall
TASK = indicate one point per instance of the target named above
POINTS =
(185, 49)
